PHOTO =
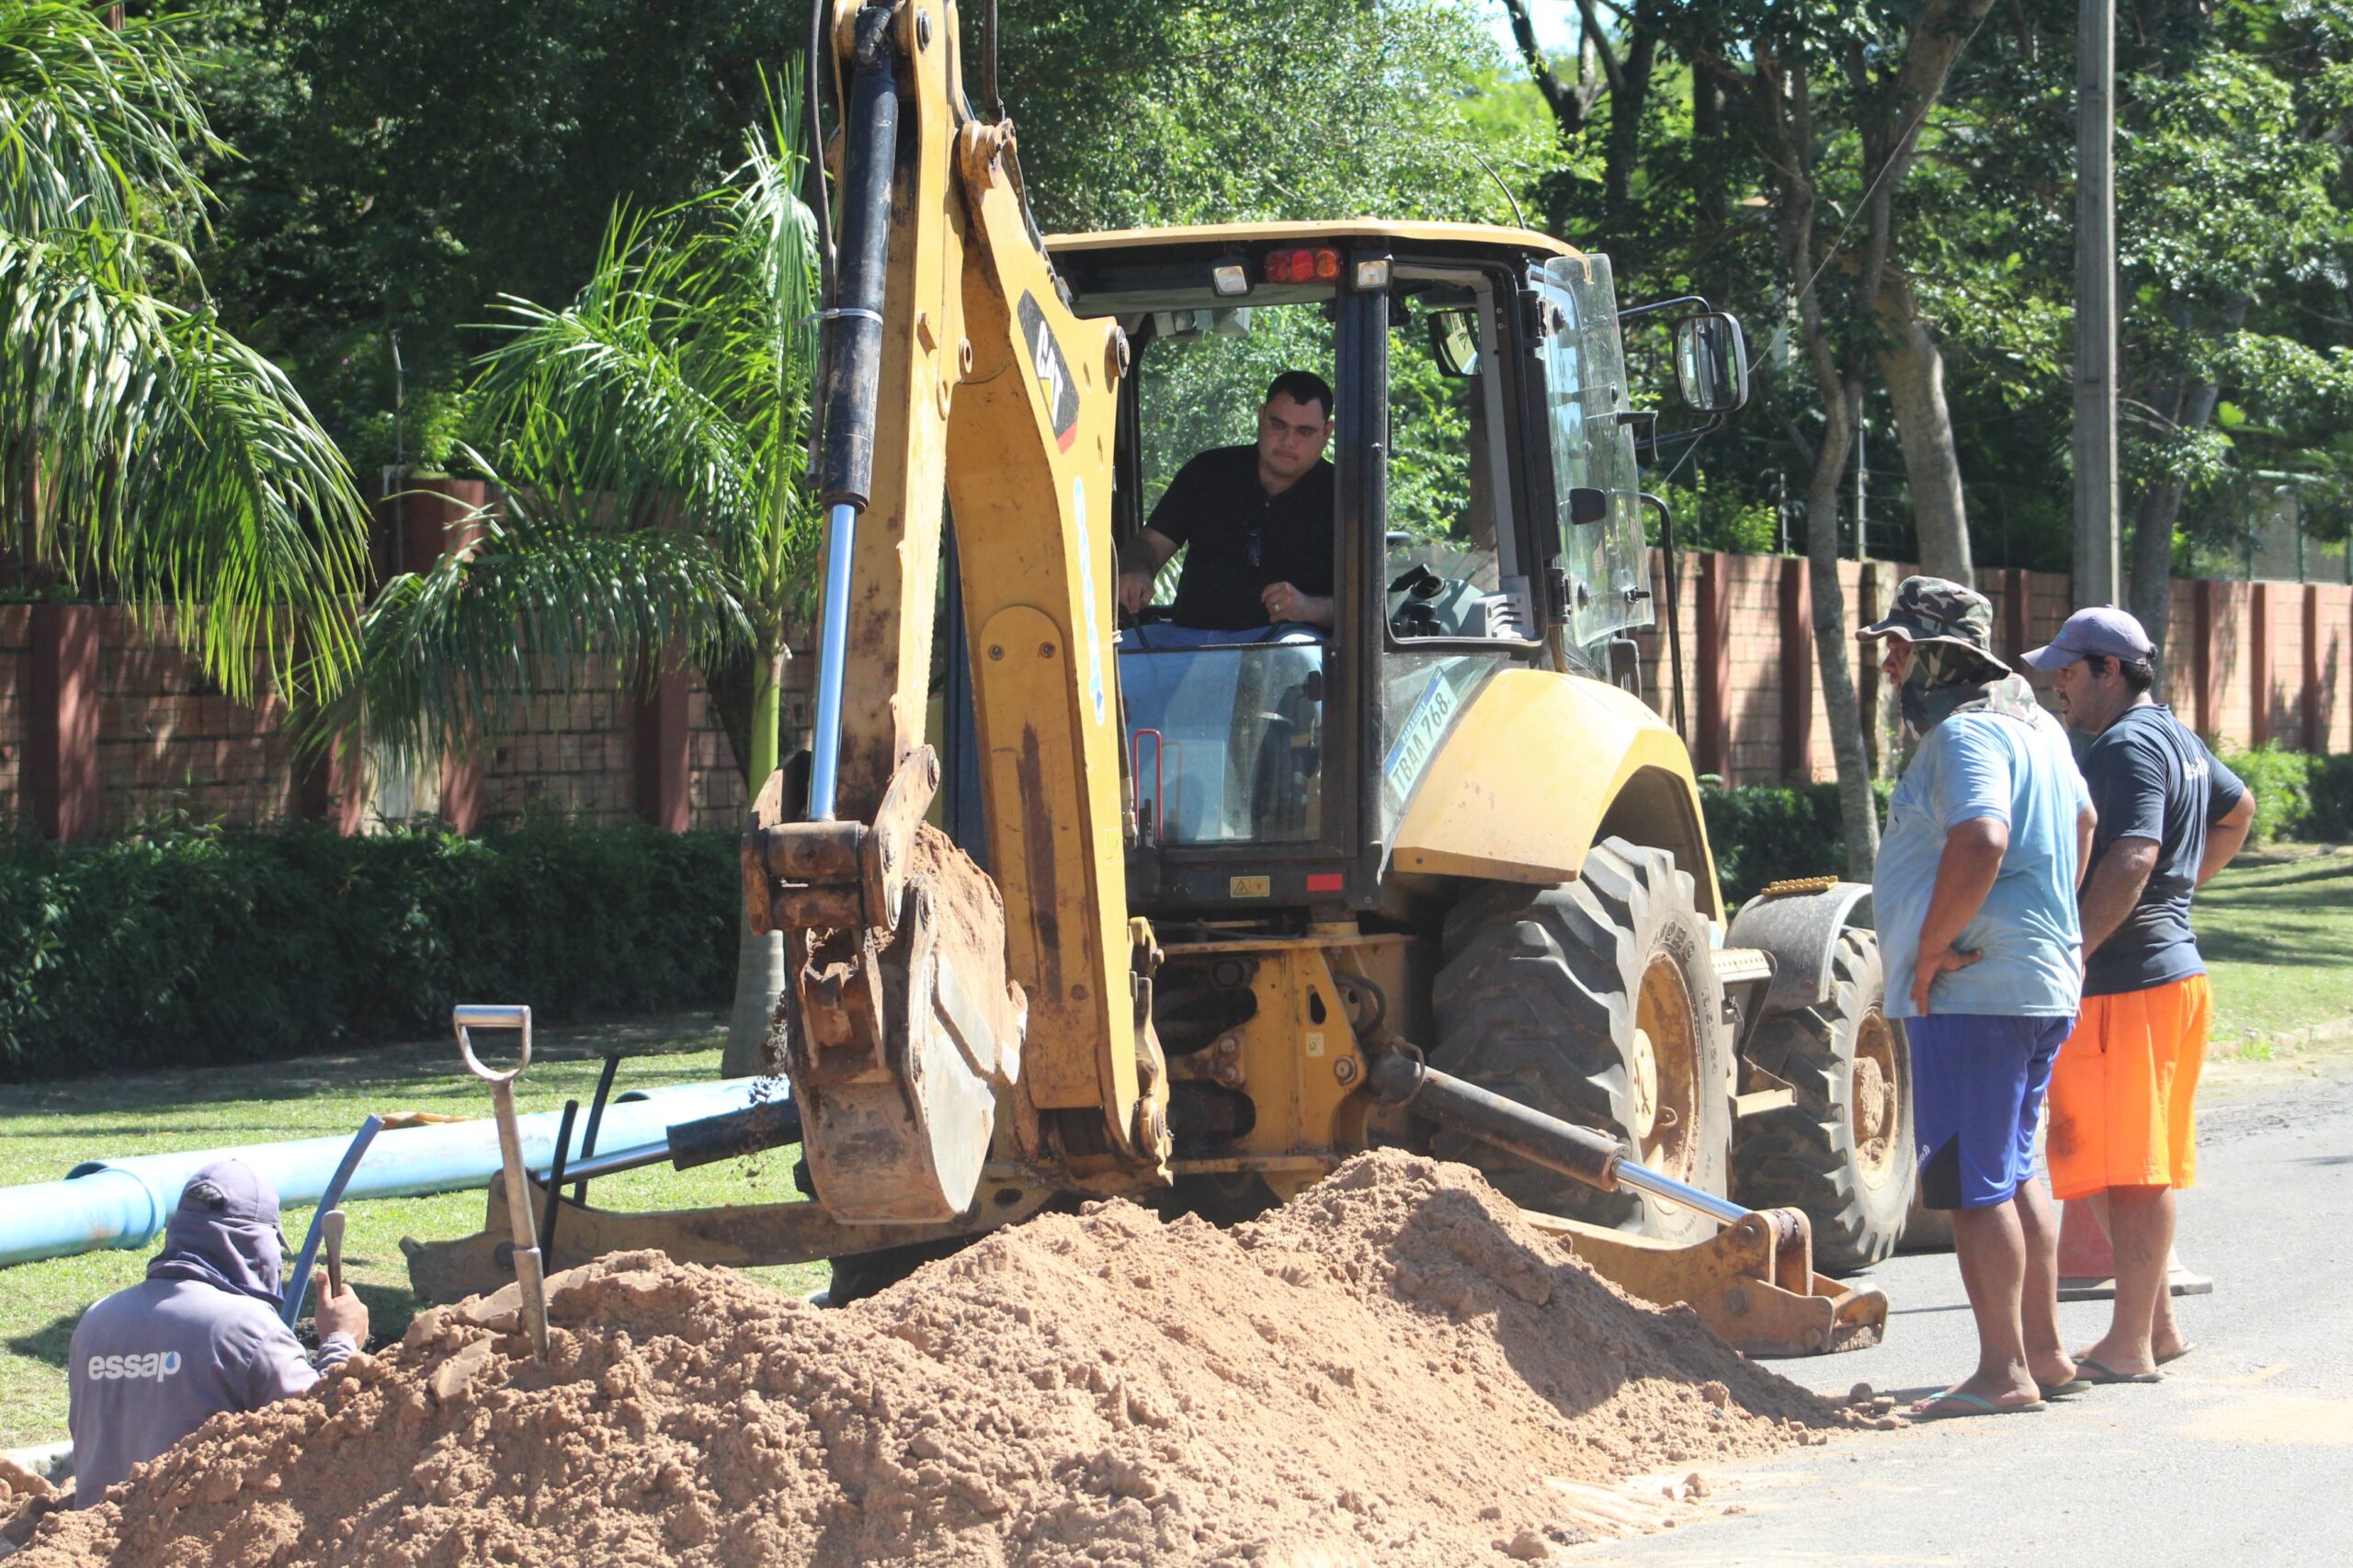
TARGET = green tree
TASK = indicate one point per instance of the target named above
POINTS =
(648, 441)
(151, 454)
(406, 164)
(1136, 113)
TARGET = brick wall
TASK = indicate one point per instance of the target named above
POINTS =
(1762, 604)
(566, 751)
(16, 658)
(170, 740)
(167, 739)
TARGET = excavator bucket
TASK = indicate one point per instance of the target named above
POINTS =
(1752, 1282)
(908, 1028)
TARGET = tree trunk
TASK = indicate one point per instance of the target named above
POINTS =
(1913, 366)
(1858, 806)
(2153, 521)
(752, 1048)
(1630, 91)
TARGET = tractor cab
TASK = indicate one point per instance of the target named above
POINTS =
(1487, 515)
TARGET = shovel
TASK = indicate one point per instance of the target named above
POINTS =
(529, 1275)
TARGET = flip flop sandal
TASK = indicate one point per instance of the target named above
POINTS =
(2097, 1374)
(2165, 1360)
(2068, 1390)
(1972, 1405)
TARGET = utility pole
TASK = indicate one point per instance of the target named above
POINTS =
(2098, 568)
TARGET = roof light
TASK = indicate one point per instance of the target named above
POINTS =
(1321, 265)
(1372, 274)
(1230, 279)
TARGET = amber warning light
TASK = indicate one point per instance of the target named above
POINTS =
(1319, 265)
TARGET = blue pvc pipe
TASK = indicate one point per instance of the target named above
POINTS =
(833, 654)
(296, 1282)
(123, 1203)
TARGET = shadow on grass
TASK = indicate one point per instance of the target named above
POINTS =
(408, 1068)
(48, 1344)
(2271, 890)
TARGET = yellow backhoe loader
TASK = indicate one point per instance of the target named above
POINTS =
(1210, 915)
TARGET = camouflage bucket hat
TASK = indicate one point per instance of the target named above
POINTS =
(1933, 609)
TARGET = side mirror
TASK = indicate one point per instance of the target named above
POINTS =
(1711, 362)
(1454, 342)
(1588, 505)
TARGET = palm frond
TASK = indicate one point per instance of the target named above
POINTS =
(175, 465)
(94, 122)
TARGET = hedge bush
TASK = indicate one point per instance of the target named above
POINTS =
(188, 946)
(2297, 794)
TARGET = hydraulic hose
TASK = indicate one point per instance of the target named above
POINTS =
(1580, 1152)
(853, 362)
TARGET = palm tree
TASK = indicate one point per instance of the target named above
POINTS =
(647, 442)
(151, 455)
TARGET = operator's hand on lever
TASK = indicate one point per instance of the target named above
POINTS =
(1141, 559)
(1135, 587)
(341, 1314)
(1285, 602)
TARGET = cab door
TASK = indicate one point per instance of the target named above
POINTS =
(1604, 582)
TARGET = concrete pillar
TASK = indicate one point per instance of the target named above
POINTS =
(62, 722)
(1797, 669)
(2260, 613)
(2206, 663)
(662, 743)
(1712, 667)
(2315, 735)
(2018, 614)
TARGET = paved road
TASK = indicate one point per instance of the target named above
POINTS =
(2243, 1455)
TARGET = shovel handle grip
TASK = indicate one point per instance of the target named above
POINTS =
(470, 1016)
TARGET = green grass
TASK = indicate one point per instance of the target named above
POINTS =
(46, 1129)
(2278, 936)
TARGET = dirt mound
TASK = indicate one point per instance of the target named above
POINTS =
(1391, 1369)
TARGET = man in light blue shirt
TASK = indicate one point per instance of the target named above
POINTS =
(1975, 894)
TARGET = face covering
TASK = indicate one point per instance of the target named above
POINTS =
(231, 1246)
(1943, 680)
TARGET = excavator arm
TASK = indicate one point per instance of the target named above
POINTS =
(931, 999)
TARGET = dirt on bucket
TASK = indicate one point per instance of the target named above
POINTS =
(1394, 1369)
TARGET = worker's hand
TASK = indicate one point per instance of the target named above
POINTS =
(1285, 602)
(1135, 587)
(345, 1314)
(1933, 962)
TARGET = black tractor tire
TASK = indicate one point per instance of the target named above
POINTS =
(1843, 1152)
(1539, 999)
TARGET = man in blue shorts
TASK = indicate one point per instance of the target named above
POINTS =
(1974, 891)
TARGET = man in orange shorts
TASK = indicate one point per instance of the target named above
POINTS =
(2124, 1121)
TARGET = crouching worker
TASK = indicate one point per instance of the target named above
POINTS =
(199, 1335)
(1975, 893)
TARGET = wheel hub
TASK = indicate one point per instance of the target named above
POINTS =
(1646, 1085)
(1665, 1087)
(1873, 1101)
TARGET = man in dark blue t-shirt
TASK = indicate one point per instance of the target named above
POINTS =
(1256, 522)
(2123, 1119)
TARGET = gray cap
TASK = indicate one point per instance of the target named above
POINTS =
(2103, 631)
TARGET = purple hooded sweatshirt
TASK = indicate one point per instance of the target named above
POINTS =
(199, 1335)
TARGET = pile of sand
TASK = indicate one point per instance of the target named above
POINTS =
(1393, 1368)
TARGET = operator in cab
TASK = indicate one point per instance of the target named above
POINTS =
(1257, 523)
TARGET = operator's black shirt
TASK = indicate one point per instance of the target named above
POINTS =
(2151, 778)
(1240, 538)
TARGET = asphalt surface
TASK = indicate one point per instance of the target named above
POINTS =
(2243, 1455)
